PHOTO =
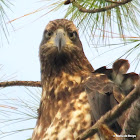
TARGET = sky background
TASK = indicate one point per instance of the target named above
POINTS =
(19, 61)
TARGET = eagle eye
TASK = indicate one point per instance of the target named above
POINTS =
(72, 35)
(48, 34)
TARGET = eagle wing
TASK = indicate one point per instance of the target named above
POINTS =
(108, 87)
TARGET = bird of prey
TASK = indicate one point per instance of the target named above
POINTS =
(74, 96)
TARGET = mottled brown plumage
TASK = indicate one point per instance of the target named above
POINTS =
(66, 108)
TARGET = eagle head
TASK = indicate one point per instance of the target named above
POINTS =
(60, 36)
(61, 48)
(61, 33)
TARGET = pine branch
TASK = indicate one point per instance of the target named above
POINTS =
(84, 10)
(132, 123)
(21, 83)
(113, 114)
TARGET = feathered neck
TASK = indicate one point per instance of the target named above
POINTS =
(70, 60)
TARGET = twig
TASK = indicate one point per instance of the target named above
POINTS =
(21, 83)
(82, 9)
(113, 114)
(68, 2)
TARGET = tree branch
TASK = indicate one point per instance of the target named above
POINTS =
(82, 9)
(118, 2)
(113, 114)
(21, 83)
(132, 123)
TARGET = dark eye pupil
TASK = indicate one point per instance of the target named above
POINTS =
(49, 33)
(71, 34)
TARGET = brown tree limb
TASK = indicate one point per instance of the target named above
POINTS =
(68, 2)
(113, 114)
(84, 10)
(132, 122)
(20, 83)
(118, 2)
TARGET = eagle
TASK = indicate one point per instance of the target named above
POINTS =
(74, 95)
